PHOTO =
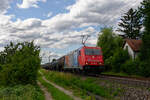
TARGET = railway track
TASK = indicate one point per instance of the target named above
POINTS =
(131, 81)
(141, 83)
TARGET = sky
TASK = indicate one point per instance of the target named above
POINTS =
(57, 25)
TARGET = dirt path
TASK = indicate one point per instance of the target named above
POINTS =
(46, 93)
(61, 89)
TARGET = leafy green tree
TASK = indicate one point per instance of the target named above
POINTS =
(19, 63)
(53, 60)
(108, 41)
(104, 42)
(145, 50)
(131, 24)
(145, 10)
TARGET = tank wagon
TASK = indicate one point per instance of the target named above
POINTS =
(88, 59)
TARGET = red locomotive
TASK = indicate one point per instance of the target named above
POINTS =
(91, 58)
(83, 59)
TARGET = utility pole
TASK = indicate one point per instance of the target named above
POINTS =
(49, 56)
(84, 38)
(42, 57)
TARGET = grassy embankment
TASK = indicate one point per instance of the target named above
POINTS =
(56, 94)
(76, 84)
(21, 92)
(120, 74)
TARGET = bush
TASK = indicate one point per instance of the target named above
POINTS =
(19, 64)
(144, 68)
(131, 67)
(108, 64)
(21, 92)
(120, 56)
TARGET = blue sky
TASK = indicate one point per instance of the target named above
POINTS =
(57, 25)
(54, 6)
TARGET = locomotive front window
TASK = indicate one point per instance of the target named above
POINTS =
(92, 52)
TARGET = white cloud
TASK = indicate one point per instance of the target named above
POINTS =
(61, 31)
(4, 5)
(4, 20)
(30, 3)
(49, 14)
(91, 12)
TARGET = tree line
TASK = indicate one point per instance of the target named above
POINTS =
(134, 24)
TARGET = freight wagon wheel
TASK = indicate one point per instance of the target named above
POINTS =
(73, 70)
(78, 71)
(85, 72)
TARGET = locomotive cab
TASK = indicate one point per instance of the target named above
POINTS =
(91, 58)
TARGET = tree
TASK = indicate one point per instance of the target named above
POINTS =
(109, 42)
(104, 42)
(19, 64)
(131, 24)
(145, 50)
(53, 60)
(145, 10)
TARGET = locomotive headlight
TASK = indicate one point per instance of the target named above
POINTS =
(86, 63)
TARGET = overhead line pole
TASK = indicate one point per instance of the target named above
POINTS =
(49, 56)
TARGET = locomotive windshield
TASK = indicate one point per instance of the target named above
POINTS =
(92, 52)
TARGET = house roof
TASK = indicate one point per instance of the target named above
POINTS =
(134, 44)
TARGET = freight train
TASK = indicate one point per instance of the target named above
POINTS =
(84, 59)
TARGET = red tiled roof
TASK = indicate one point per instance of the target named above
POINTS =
(134, 44)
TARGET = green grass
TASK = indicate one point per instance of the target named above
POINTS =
(68, 80)
(119, 74)
(113, 73)
(56, 94)
(21, 92)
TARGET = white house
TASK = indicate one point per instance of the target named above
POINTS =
(133, 47)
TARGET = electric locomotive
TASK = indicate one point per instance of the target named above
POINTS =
(91, 59)
(87, 59)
